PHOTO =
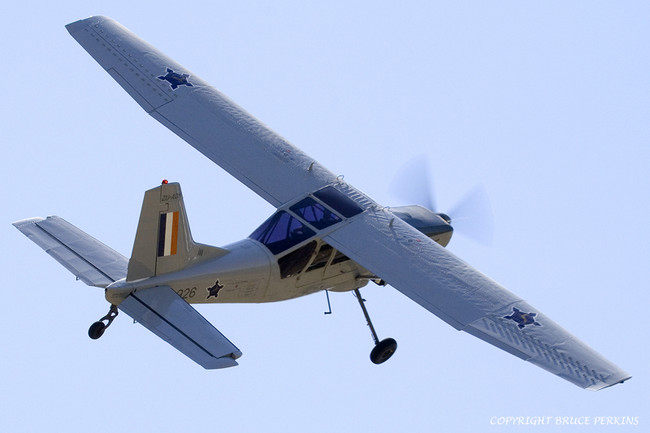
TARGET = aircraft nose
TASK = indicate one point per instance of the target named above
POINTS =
(445, 217)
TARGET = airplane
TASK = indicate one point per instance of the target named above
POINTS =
(325, 235)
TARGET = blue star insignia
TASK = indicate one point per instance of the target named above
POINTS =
(175, 79)
(522, 318)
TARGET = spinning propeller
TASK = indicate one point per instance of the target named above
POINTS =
(472, 214)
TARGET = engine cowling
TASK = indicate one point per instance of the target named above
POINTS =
(436, 226)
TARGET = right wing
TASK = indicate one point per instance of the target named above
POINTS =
(201, 115)
(167, 315)
(468, 300)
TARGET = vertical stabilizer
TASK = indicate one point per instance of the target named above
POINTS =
(163, 242)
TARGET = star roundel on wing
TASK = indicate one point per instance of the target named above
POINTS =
(522, 319)
(175, 79)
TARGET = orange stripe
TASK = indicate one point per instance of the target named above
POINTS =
(174, 234)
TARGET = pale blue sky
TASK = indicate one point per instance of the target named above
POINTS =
(546, 104)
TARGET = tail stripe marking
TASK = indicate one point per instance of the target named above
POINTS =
(174, 234)
(168, 234)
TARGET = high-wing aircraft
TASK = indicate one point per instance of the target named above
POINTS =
(324, 235)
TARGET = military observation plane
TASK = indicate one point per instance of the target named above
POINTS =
(325, 235)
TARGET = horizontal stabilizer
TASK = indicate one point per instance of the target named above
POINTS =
(87, 258)
(167, 315)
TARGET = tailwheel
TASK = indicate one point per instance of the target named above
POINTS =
(97, 329)
(383, 349)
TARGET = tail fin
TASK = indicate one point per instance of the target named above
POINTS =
(163, 242)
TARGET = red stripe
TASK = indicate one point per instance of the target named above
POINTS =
(174, 245)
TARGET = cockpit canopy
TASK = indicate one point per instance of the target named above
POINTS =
(281, 232)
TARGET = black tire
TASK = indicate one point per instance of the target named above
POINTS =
(96, 330)
(383, 351)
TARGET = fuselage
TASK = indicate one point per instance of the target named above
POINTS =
(285, 258)
(250, 273)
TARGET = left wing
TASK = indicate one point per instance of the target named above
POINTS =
(468, 300)
(167, 315)
(200, 114)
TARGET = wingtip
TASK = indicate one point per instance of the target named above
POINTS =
(75, 26)
(609, 384)
(26, 221)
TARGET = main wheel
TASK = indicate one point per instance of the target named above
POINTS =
(96, 330)
(383, 350)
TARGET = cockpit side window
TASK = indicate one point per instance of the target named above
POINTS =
(315, 213)
(281, 232)
(294, 262)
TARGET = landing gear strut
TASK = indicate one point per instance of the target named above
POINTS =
(383, 349)
(97, 329)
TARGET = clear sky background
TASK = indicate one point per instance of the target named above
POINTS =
(545, 104)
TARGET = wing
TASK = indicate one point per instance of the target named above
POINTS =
(87, 258)
(167, 315)
(200, 114)
(468, 300)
